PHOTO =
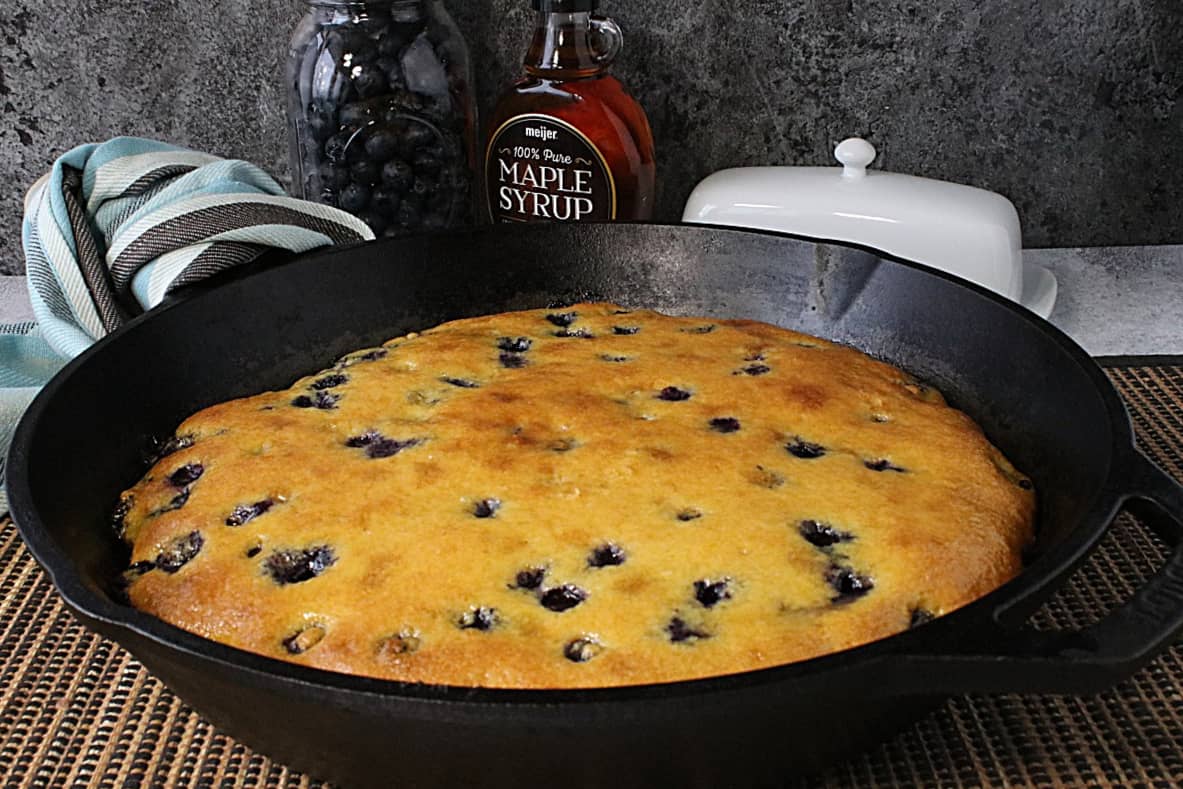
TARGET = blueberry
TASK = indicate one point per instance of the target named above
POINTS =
(427, 163)
(369, 80)
(439, 108)
(607, 555)
(408, 214)
(350, 47)
(331, 381)
(379, 447)
(576, 334)
(530, 578)
(1025, 484)
(296, 567)
(382, 146)
(710, 593)
(363, 440)
(562, 598)
(699, 329)
(614, 359)
(404, 642)
(626, 330)
(479, 618)
(725, 424)
(418, 135)
(374, 355)
(254, 551)
(334, 176)
(178, 501)
(171, 447)
(563, 319)
(582, 649)
(848, 584)
(245, 513)
(355, 198)
(688, 515)
(486, 508)
(119, 514)
(822, 535)
(680, 631)
(324, 401)
(515, 344)
(757, 369)
(376, 221)
(920, 616)
(457, 177)
(180, 552)
(439, 200)
(138, 569)
(462, 383)
(403, 105)
(336, 147)
(513, 361)
(805, 450)
(391, 68)
(884, 465)
(186, 475)
(422, 187)
(385, 201)
(355, 115)
(366, 172)
(303, 640)
(673, 394)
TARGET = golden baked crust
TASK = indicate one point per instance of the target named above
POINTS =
(575, 498)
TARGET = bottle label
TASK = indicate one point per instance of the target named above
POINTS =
(541, 169)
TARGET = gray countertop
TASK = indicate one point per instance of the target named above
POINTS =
(1114, 301)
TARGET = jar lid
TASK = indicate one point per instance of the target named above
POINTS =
(566, 6)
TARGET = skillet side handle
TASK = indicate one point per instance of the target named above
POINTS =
(1152, 619)
(1088, 660)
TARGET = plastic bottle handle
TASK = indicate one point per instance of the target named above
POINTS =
(611, 37)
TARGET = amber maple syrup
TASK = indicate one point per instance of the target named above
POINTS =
(567, 142)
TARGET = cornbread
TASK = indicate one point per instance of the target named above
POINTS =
(581, 497)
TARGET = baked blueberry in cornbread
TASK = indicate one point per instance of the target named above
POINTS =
(582, 497)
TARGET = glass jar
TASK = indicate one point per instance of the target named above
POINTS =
(383, 113)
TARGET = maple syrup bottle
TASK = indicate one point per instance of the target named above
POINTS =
(568, 143)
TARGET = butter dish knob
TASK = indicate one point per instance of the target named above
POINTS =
(855, 155)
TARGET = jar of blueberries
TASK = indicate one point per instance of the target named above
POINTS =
(383, 113)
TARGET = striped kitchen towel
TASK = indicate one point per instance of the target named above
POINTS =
(114, 227)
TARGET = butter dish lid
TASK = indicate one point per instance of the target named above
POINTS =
(969, 232)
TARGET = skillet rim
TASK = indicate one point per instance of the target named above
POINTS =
(1051, 568)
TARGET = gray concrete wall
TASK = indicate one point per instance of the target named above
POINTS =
(1070, 107)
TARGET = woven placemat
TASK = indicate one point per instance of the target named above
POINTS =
(76, 710)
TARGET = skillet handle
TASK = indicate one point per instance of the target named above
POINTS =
(1097, 657)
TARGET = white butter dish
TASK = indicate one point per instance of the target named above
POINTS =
(965, 231)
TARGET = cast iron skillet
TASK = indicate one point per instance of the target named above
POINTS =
(1039, 397)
